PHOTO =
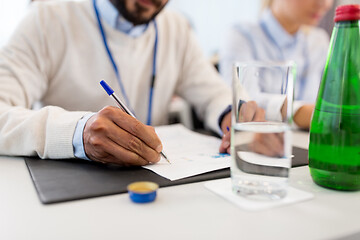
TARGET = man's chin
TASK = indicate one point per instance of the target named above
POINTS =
(137, 16)
(141, 21)
(138, 19)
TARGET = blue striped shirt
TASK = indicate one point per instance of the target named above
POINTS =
(267, 40)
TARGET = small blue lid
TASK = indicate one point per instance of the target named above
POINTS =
(142, 192)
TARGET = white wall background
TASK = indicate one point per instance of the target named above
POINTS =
(212, 18)
(11, 11)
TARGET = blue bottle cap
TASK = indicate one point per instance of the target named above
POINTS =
(142, 192)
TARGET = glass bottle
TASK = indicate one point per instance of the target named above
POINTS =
(334, 149)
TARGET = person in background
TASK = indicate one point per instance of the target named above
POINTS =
(61, 51)
(285, 31)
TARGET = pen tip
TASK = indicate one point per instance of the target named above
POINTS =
(162, 154)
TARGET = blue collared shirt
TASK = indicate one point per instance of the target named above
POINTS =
(110, 15)
(267, 40)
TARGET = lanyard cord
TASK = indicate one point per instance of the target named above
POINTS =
(153, 75)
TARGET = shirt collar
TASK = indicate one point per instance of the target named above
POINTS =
(278, 34)
(112, 17)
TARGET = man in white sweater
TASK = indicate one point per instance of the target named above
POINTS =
(61, 51)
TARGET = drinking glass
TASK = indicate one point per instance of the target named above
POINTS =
(261, 151)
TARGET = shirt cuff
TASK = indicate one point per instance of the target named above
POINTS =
(273, 108)
(226, 111)
(222, 115)
(78, 143)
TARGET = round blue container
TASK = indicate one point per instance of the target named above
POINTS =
(142, 192)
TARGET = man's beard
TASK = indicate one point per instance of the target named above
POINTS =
(135, 17)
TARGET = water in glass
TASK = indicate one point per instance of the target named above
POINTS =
(261, 159)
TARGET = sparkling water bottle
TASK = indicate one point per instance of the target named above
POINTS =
(334, 150)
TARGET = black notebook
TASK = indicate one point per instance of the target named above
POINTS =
(73, 179)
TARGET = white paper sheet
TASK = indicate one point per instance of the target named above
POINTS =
(190, 153)
(222, 188)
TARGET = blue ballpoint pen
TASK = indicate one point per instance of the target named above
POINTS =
(111, 93)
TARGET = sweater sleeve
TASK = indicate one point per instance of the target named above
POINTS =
(201, 85)
(24, 77)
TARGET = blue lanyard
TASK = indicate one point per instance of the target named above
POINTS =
(153, 75)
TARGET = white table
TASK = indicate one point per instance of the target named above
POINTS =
(180, 212)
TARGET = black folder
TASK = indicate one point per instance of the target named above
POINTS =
(73, 179)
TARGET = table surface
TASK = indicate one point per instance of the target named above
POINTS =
(181, 212)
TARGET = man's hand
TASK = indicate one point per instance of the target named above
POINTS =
(249, 112)
(112, 136)
(268, 144)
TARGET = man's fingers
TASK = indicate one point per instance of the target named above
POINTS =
(134, 144)
(110, 152)
(268, 144)
(247, 111)
(259, 115)
(261, 148)
(273, 141)
(109, 136)
(225, 143)
(133, 126)
(250, 111)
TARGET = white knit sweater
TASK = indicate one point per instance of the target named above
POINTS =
(57, 56)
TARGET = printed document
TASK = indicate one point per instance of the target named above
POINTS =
(190, 153)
